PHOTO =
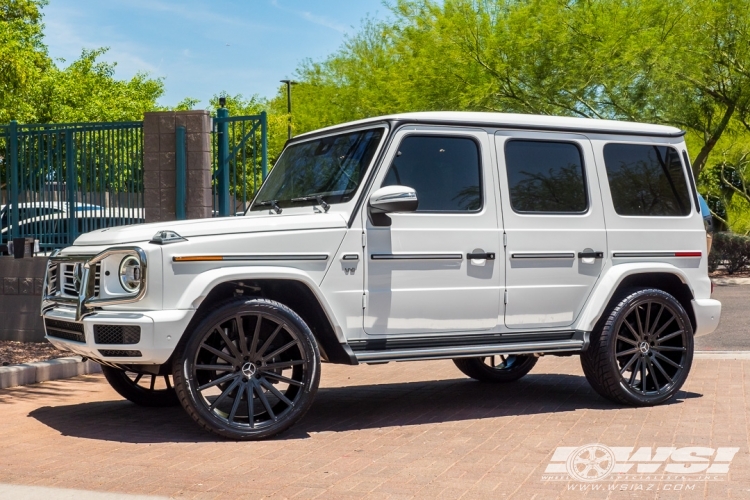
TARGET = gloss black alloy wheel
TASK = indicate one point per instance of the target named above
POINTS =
(144, 389)
(249, 370)
(499, 368)
(643, 353)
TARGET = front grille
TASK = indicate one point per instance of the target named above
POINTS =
(69, 280)
(65, 330)
(117, 334)
(52, 279)
(117, 353)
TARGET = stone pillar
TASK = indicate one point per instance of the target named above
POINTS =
(159, 164)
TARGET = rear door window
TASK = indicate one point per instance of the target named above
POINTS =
(646, 180)
(545, 177)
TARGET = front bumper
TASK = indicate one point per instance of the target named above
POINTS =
(707, 315)
(160, 331)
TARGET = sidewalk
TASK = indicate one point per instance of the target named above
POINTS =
(400, 430)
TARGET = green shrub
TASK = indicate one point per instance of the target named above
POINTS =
(731, 250)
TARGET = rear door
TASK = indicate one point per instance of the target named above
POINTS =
(554, 226)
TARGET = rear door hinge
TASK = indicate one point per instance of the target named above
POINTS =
(505, 239)
(364, 239)
(505, 297)
(364, 300)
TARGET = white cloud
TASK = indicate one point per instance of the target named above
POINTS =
(313, 18)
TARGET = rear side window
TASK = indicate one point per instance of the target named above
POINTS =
(646, 180)
(545, 177)
(445, 172)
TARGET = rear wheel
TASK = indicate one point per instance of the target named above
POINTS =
(249, 370)
(144, 389)
(496, 368)
(643, 352)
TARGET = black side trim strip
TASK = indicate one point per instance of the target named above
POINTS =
(558, 255)
(417, 256)
(386, 344)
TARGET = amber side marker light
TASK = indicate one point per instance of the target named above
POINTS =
(197, 258)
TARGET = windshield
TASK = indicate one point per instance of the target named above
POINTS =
(327, 170)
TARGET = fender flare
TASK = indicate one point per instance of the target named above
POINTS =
(203, 283)
(610, 281)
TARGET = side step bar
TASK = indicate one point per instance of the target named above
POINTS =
(470, 351)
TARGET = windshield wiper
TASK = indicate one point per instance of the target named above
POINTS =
(316, 197)
(273, 204)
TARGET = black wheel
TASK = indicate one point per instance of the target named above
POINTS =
(643, 352)
(144, 389)
(248, 370)
(496, 368)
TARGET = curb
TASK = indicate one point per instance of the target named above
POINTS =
(722, 354)
(730, 281)
(43, 371)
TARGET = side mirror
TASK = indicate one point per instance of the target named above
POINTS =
(391, 199)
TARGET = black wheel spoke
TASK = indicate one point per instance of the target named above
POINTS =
(264, 401)
(625, 353)
(166, 381)
(250, 403)
(629, 363)
(661, 369)
(270, 339)
(153, 382)
(670, 336)
(627, 340)
(638, 322)
(225, 393)
(231, 345)
(218, 381)
(666, 359)
(632, 330)
(656, 321)
(280, 365)
(281, 349)
(282, 378)
(668, 348)
(137, 378)
(643, 376)
(268, 385)
(241, 335)
(652, 373)
(647, 325)
(221, 354)
(633, 375)
(215, 368)
(236, 404)
(664, 327)
(256, 336)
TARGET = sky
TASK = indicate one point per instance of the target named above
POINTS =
(201, 48)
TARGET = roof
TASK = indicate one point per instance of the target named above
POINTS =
(515, 120)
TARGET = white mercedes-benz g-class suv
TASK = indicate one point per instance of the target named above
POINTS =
(490, 239)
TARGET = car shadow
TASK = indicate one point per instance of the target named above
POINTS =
(338, 409)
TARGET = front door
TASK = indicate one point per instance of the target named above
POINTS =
(420, 277)
(554, 225)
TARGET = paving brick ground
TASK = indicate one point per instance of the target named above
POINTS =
(390, 431)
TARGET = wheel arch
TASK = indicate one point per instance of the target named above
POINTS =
(295, 290)
(612, 285)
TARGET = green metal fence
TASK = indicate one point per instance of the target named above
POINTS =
(60, 180)
(240, 160)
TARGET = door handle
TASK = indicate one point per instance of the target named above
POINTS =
(481, 256)
(590, 255)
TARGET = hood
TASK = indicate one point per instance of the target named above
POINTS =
(210, 227)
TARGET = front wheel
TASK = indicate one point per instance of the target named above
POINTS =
(249, 370)
(642, 354)
(496, 368)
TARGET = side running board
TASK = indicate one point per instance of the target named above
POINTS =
(469, 351)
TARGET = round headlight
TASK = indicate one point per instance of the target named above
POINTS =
(130, 274)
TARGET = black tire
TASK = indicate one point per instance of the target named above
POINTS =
(143, 389)
(249, 370)
(641, 354)
(496, 368)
